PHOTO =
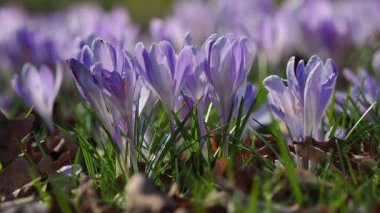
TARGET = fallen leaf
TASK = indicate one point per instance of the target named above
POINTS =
(14, 176)
(60, 152)
(11, 132)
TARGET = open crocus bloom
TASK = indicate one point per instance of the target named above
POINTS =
(38, 88)
(302, 103)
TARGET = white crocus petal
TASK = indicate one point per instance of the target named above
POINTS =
(58, 78)
(104, 54)
(40, 100)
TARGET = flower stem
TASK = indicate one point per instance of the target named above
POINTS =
(202, 131)
(174, 147)
(132, 148)
(225, 137)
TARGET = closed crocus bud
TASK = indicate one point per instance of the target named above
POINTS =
(302, 103)
(105, 109)
(164, 71)
(106, 77)
(228, 61)
(196, 83)
(38, 88)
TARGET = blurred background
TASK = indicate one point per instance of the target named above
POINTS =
(141, 11)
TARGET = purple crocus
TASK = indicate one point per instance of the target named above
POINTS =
(325, 31)
(38, 88)
(196, 83)
(301, 103)
(164, 71)
(364, 86)
(106, 77)
(196, 87)
(93, 93)
(113, 70)
(228, 61)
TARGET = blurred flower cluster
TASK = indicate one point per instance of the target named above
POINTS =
(307, 27)
(46, 40)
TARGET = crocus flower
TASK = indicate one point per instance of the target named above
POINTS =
(325, 30)
(301, 103)
(196, 83)
(114, 71)
(106, 77)
(164, 71)
(228, 61)
(196, 87)
(364, 86)
(30, 44)
(93, 93)
(38, 88)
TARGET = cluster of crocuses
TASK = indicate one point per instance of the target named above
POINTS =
(118, 83)
(33, 48)
(325, 27)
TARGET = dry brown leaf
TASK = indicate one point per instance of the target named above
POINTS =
(14, 176)
(11, 132)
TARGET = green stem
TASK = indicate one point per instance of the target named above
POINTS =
(132, 149)
(202, 131)
(174, 147)
(225, 136)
